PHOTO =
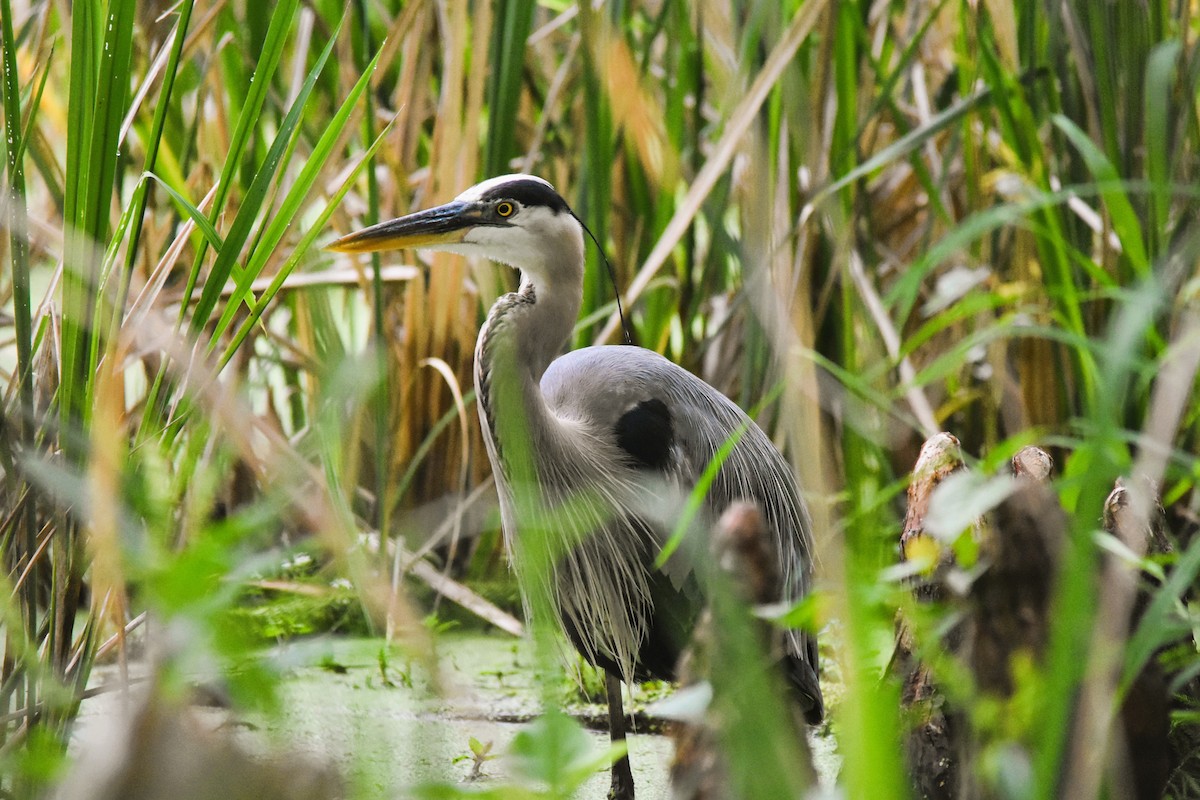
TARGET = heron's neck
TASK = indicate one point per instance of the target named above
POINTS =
(533, 324)
(524, 332)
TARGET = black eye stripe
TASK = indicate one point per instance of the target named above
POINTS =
(528, 193)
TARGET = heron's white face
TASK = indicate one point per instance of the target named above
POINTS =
(517, 220)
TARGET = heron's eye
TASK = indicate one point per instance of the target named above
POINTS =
(505, 208)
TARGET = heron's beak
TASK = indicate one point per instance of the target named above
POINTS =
(446, 224)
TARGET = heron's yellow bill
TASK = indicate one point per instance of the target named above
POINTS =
(445, 224)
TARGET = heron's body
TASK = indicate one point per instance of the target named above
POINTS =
(615, 426)
(616, 437)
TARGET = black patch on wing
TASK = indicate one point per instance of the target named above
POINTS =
(646, 433)
(528, 193)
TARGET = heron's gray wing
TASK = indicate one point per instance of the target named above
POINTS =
(753, 471)
(653, 413)
(627, 433)
(669, 424)
(635, 430)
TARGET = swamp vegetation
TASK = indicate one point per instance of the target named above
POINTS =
(866, 221)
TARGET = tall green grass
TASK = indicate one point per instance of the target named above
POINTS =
(958, 215)
(119, 470)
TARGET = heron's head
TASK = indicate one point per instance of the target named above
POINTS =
(517, 220)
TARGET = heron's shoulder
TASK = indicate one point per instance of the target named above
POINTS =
(623, 369)
(603, 382)
(613, 355)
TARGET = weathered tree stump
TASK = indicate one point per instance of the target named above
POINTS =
(1145, 714)
(1006, 612)
(1010, 600)
(743, 553)
(929, 743)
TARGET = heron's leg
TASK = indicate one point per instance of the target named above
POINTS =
(622, 775)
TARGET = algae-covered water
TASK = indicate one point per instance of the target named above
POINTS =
(388, 721)
(390, 727)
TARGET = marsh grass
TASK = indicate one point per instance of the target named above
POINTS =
(976, 217)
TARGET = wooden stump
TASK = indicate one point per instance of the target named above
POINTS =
(1006, 611)
(745, 557)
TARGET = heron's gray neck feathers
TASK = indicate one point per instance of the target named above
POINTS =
(496, 359)
(525, 330)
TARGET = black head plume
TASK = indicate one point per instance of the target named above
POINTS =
(612, 276)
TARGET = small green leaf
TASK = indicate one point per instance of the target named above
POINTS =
(556, 750)
(807, 614)
(196, 215)
(961, 499)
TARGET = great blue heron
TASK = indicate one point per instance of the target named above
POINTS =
(613, 433)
